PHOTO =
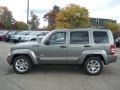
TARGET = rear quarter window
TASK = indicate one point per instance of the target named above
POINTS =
(100, 37)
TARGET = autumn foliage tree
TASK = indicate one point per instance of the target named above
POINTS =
(21, 25)
(72, 16)
(51, 17)
(34, 22)
(6, 17)
(112, 26)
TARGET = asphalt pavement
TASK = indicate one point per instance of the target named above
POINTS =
(57, 77)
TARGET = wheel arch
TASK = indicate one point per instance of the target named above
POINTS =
(94, 55)
(16, 55)
(97, 53)
(29, 53)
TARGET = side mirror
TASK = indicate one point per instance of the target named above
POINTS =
(47, 42)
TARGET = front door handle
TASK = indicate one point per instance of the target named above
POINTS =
(62, 46)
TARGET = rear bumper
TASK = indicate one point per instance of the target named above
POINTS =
(112, 58)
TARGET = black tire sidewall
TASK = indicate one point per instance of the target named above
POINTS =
(22, 57)
(89, 59)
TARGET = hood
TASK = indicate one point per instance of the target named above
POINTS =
(31, 43)
(25, 45)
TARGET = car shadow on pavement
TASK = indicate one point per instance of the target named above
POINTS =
(9, 71)
(57, 69)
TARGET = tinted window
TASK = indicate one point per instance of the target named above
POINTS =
(79, 37)
(58, 38)
(100, 37)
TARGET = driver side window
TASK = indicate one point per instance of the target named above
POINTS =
(58, 38)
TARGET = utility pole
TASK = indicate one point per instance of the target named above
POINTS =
(27, 11)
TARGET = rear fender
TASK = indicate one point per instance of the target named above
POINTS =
(93, 52)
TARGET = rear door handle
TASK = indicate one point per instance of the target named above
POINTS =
(62, 46)
(87, 46)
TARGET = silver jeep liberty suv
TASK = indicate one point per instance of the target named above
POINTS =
(91, 48)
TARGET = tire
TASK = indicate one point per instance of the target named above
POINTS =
(22, 64)
(19, 39)
(93, 65)
(3, 38)
(33, 39)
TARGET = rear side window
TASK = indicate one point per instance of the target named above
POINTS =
(100, 37)
(79, 37)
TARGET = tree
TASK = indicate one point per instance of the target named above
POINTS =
(34, 22)
(112, 26)
(51, 16)
(5, 17)
(72, 16)
(119, 26)
(21, 25)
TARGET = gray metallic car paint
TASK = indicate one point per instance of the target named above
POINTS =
(40, 53)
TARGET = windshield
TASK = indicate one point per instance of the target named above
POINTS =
(45, 37)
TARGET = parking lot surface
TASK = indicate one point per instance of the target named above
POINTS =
(57, 77)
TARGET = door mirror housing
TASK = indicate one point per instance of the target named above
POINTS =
(47, 42)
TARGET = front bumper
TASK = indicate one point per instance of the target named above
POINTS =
(9, 58)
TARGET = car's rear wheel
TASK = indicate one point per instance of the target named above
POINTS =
(22, 64)
(93, 65)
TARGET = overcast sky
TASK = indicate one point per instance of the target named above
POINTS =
(109, 9)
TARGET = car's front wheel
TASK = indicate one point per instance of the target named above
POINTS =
(22, 64)
(93, 65)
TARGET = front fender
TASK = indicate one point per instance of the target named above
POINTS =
(26, 52)
(93, 52)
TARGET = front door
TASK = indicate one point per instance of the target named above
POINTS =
(56, 50)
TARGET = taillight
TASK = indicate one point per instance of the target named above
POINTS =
(112, 49)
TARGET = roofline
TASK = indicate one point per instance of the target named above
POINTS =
(103, 29)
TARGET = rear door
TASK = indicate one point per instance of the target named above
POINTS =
(79, 41)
